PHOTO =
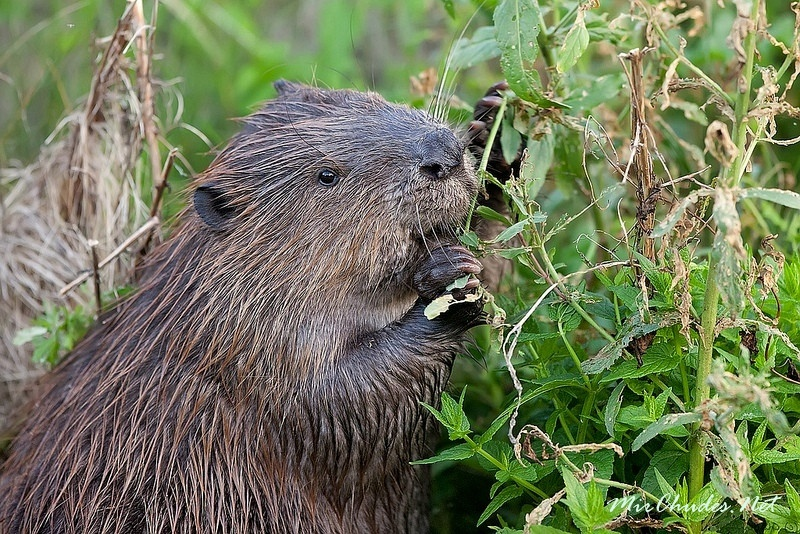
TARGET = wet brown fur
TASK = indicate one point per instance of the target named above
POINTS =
(267, 375)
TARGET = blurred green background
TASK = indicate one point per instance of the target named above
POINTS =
(216, 60)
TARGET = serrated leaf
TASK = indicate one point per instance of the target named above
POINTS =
(792, 498)
(576, 500)
(775, 457)
(494, 427)
(511, 492)
(612, 408)
(670, 464)
(703, 504)
(569, 319)
(664, 423)
(537, 336)
(667, 491)
(461, 451)
(575, 44)
(659, 358)
(634, 327)
(544, 529)
(532, 472)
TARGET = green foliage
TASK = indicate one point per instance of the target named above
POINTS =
(55, 333)
(653, 312)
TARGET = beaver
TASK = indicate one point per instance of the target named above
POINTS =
(268, 374)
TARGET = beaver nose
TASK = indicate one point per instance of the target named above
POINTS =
(439, 153)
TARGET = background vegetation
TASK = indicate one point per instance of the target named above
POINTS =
(642, 372)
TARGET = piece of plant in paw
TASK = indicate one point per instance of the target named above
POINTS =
(446, 282)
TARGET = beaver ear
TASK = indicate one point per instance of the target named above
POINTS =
(212, 206)
(286, 88)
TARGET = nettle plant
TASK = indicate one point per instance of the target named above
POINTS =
(651, 329)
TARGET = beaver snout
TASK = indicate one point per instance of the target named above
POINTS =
(439, 153)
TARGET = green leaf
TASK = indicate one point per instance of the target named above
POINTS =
(536, 161)
(512, 231)
(634, 327)
(458, 283)
(26, 335)
(575, 44)
(511, 253)
(448, 6)
(576, 499)
(790, 199)
(481, 47)
(494, 427)
(670, 464)
(612, 408)
(46, 351)
(565, 315)
(462, 451)
(703, 504)
(470, 239)
(659, 358)
(531, 472)
(664, 423)
(537, 336)
(452, 415)
(491, 215)
(511, 492)
(667, 491)
(516, 24)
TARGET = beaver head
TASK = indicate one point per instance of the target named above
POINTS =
(328, 201)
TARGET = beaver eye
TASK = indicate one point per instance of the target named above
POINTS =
(327, 177)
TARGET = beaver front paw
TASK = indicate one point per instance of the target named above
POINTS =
(484, 115)
(445, 265)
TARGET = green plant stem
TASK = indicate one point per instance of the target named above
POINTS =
(499, 465)
(498, 119)
(729, 177)
(551, 270)
(543, 40)
(708, 322)
(573, 355)
(585, 413)
(560, 407)
(743, 101)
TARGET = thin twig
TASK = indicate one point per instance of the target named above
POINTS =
(96, 273)
(151, 223)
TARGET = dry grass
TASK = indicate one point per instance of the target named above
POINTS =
(87, 184)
